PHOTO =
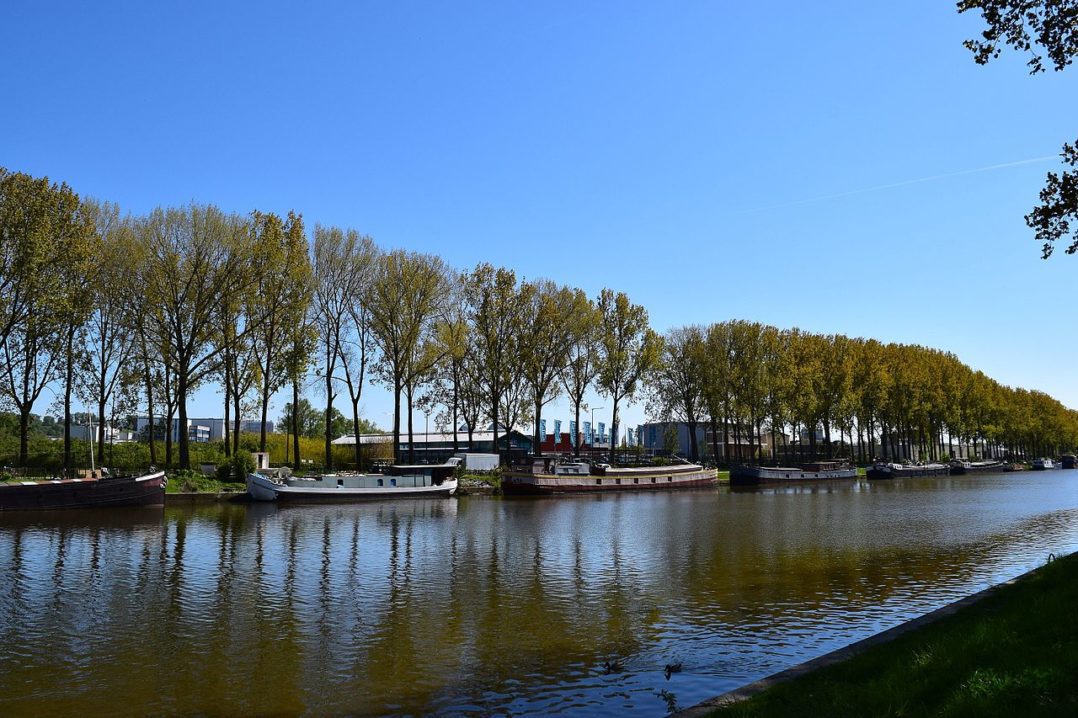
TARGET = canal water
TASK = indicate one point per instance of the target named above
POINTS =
(483, 605)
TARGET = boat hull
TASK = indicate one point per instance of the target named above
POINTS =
(146, 490)
(757, 475)
(521, 483)
(261, 488)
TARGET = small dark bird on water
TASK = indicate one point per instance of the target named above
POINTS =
(612, 666)
(672, 668)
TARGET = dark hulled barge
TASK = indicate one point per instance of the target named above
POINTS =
(107, 491)
(818, 471)
(890, 470)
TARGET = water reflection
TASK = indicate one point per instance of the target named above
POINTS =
(490, 605)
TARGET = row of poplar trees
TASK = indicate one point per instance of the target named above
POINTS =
(134, 313)
(746, 378)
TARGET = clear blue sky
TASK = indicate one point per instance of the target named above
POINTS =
(708, 158)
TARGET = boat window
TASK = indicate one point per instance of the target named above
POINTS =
(669, 478)
(380, 483)
(617, 481)
(653, 479)
(392, 482)
(598, 482)
(636, 481)
(340, 482)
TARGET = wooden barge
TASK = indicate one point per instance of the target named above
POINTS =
(549, 476)
(107, 491)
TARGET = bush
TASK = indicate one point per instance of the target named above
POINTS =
(236, 468)
(184, 480)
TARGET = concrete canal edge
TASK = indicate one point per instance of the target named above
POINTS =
(706, 707)
(205, 497)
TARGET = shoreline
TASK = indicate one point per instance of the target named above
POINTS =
(849, 652)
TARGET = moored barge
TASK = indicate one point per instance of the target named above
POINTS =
(889, 470)
(547, 476)
(399, 481)
(817, 471)
(959, 466)
(88, 493)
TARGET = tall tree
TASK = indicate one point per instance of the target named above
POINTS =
(677, 385)
(547, 332)
(582, 356)
(194, 256)
(45, 248)
(628, 351)
(496, 315)
(337, 287)
(404, 298)
(112, 334)
(281, 277)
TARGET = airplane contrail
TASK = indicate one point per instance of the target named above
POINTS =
(903, 183)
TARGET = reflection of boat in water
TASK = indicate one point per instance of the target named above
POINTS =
(1042, 464)
(885, 470)
(145, 490)
(405, 481)
(817, 471)
(959, 466)
(550, 476)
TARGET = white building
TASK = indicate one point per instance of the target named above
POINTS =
(201, 430)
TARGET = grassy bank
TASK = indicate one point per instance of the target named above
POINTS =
(189, 482)
(1014, 653)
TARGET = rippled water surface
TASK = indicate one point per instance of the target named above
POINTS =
(483, 605)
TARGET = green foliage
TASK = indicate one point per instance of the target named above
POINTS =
(1037, 28)
(236, 468)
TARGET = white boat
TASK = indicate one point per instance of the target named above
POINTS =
(1043, 464)
(405, 481)
(816, 471)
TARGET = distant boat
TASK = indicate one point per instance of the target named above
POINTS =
(549, 476)
(402, 481)
(889, 470)
(107, 491)
(818, 471)
(1042, 464)
(958, 466)
(1068, 461)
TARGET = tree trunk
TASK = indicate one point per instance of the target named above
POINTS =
(236, 422)
(149, 419)
(69, 464)
(24, 435)
(575, 440)
(295, 423)
(228, 422)
(265, 409)
(613, 427)
(355, 429)
(714, 441)
(329, 412)
(694, 448)
(411, 436)
(185, 439)
(538, 447)
(396, 415)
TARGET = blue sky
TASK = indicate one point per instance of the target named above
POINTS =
(707, 158)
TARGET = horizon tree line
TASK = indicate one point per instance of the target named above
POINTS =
(129, 313)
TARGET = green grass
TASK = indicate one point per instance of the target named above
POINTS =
(193, 482)
(1012, 654)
